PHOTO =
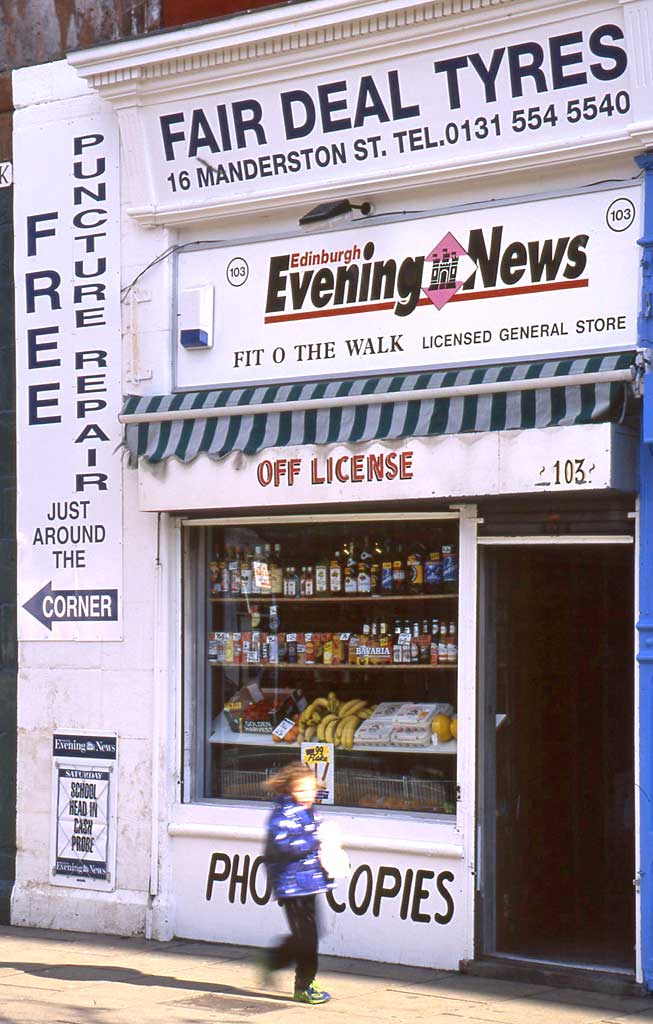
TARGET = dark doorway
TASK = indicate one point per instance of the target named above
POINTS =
(562, 857)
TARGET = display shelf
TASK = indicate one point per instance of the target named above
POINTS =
(337, 668)
(224, 735)
(343, 598)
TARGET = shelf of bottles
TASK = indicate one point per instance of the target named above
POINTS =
(312, 617)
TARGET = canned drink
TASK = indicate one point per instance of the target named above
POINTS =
(309, 649)
(215, 583)
(229, 649)
(273, 653)
(213, 646)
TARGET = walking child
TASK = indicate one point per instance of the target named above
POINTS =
(292, 857)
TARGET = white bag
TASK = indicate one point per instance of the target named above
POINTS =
(333, 858)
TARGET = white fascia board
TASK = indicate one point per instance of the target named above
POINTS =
(162, 60)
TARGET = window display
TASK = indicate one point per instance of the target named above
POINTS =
(341, 636)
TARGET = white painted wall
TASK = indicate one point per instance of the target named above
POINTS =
(132, 687)
(91, 686)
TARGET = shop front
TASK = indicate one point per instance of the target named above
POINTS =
(378, 499)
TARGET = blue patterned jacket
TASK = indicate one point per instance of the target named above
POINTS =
(291, 851)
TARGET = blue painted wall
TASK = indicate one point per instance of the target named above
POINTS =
(645, 611)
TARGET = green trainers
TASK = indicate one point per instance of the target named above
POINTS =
(313, 995)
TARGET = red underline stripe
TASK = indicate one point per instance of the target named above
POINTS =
(491, 293)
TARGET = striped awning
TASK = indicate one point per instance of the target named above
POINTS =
(510, 396)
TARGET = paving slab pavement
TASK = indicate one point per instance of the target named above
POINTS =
(51, 977)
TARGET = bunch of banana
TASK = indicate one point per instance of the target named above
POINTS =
(350, 715)
(330, 720)
(313, 716)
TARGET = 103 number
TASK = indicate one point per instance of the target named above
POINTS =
(570, 471)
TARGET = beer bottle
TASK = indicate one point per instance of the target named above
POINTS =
(414, 644)
(375, 575)
(415, 572)
(309, 581)
(364, 578)
(322, 577)
(225, 577)
(291, 583)
(276, 572)
(259, 571)
(443, 653)
(266, 558)
(386, 570)
(363, 653)
(246, 574)
(398, 571)
(433, 573)
(449, 569)
(234, 571)
(350, 582)
(335, 574)
(435, 631)
(452, 644)
(273, 618)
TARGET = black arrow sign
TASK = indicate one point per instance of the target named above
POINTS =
(50, 606)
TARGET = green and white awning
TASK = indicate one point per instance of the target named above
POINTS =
(510, 396)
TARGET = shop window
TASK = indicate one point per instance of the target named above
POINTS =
(336, 642)
(180, 12)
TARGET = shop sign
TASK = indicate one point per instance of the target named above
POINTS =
(84, 811)
(536, 279)
(398, 908)
(68, 365)
(438, 106)
(554, 460)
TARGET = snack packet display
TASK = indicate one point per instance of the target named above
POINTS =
(373, 733)
(411, 736)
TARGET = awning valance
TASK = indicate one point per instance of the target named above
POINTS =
(508, 396)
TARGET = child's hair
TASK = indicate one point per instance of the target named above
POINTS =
(285, 780)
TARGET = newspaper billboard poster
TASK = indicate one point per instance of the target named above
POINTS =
(84, 811)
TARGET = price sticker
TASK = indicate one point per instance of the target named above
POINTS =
(319, 757)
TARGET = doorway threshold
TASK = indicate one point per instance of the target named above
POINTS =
(533, 971)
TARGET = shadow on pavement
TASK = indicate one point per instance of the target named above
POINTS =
(131, 976)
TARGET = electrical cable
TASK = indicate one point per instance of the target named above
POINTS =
(172, 249)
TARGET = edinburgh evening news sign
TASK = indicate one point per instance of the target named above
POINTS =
(502, 283)
(535, 88)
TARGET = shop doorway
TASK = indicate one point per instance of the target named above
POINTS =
(556, 794)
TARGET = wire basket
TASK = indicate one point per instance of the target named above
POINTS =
(244, 785)
(404, 793)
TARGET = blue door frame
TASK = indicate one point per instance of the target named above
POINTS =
(645, 611)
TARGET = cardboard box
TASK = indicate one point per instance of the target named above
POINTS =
(242, 714)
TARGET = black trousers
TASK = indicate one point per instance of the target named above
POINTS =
(300, 947)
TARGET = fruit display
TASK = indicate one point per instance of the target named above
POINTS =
(405, 724)
(330, 720)
(444, 728)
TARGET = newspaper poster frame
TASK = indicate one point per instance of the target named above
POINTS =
(84, 810)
